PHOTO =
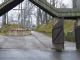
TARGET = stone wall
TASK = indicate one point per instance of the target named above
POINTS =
(22, 32)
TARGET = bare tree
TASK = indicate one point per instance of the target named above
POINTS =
(43, 17)
(28, 8)
(74, 3)
(59, 4)
(4, 19)
(39, 16)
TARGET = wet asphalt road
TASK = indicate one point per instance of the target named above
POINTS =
(34, 47)
(34, 41)
(14, 54)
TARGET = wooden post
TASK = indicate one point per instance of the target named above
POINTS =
(77, 34)
(58, 35)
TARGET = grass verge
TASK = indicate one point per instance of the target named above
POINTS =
(47, 29)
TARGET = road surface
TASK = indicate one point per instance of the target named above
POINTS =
(34, 47)
(34, 41)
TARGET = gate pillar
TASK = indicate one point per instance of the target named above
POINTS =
(58, 35)
(77, 34)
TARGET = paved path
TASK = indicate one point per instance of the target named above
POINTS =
(34, 47)
(18, 54)
(47, 41)
(34, 41)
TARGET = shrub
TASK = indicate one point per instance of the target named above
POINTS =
(70, 36)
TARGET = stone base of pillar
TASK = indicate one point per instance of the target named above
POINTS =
(78, 47)
(58, 47)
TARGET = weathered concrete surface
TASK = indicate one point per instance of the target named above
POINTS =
(34, 41)
(25, 42)
(34, 47)
(47, 41)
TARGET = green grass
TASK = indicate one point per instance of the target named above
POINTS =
(47, 29)
(5, 29)
(47, 34)
(68, 26)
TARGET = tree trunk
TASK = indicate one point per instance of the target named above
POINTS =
(4, 19)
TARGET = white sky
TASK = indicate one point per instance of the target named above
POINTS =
(67, 2)
(1, 1)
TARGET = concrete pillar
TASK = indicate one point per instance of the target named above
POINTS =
(58, 35)
(77, 34)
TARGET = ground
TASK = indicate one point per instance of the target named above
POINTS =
(35, 41)
(34, 47)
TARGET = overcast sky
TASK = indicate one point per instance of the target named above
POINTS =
(66, 2)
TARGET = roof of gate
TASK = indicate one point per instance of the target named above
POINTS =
(8, 5)
(44, 5)
(58, 12)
